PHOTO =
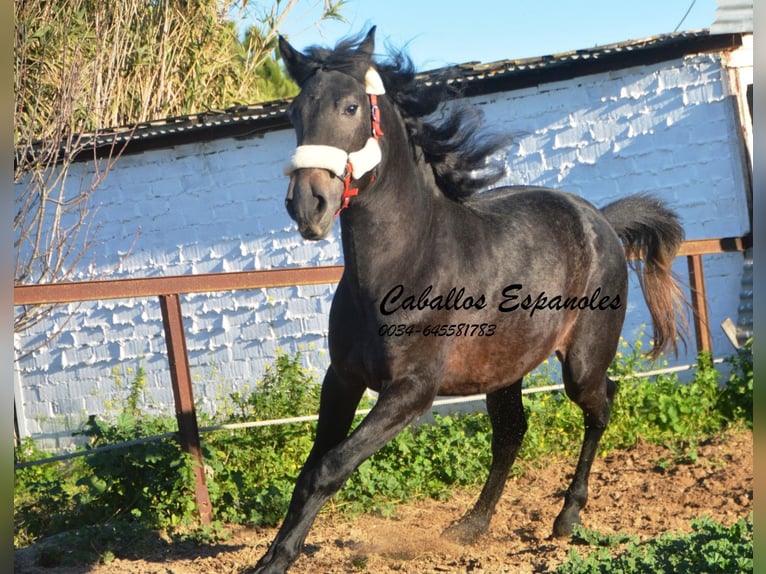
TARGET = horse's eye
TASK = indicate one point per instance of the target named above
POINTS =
(351, 109)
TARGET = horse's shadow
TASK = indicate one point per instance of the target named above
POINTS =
(82, 550)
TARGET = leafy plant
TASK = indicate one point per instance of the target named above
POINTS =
(712, 548)
(150, 482)
(422, 461)
(665, 410)
(43, 496)
(287, 390)
(253, 470)
(736, 399)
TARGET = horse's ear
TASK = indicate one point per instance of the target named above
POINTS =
(367, 47)
(299, 67)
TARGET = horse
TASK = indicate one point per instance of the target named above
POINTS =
(451, 286)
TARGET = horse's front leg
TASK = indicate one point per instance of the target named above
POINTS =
(337, 404)
(329, 465)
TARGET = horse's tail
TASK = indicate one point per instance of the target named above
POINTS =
(651, 232)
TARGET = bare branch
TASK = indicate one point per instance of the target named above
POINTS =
(82, 66)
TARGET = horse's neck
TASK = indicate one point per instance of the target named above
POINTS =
(392, 228)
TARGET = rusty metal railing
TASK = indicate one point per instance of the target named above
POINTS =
(168, 290)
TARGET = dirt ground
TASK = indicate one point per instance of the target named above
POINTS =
(632, 492)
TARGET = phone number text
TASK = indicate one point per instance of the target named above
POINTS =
(452, 330)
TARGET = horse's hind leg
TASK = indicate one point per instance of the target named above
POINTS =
(588, 386)
(506, 413)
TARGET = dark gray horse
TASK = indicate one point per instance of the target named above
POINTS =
(447, 291)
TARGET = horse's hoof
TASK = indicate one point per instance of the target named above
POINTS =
(263, 567)
(564, 523)
(465, 531)
(260, 570)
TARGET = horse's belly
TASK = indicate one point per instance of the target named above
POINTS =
(485, 364)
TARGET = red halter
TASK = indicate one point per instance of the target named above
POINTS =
(375, 132)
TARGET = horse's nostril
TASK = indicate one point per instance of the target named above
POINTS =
(321, 203)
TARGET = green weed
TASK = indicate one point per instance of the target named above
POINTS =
(711, 548)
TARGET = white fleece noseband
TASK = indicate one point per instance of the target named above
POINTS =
(337, 160)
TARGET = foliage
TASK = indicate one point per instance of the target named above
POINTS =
(736, 399)
(666, 410)
(287, 390)
(711, 548)
(422, 461)
(83, 68)
(43, 496)
(151, 482)
(663, 409)
(251, 472)
(148, 483)
(131, 61)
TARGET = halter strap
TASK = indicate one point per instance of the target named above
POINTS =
(347, 166)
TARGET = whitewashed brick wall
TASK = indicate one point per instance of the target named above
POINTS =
(218, 206)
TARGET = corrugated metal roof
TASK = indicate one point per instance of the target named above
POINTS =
(733, 16)
(209, 121)
(473, 78)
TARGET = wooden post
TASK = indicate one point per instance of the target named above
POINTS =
(186, 414)
(699, 303)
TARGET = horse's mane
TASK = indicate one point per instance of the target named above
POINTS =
(452, 141)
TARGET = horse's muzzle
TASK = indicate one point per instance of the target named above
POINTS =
(313, 198)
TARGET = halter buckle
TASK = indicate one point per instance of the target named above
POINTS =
(348, 191)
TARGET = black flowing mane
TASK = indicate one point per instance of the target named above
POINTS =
(450, 138)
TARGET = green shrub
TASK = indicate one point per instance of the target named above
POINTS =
(422, 461)
(664, 410)
(711, 548)
(44, 497)
(736, 399)
(253, 470)
(151, 482)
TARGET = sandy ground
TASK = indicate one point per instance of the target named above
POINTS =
(630, 493)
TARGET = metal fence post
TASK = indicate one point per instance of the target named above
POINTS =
(699, 303)
(186, 414)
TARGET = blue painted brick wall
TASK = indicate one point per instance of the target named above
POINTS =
(218, 206)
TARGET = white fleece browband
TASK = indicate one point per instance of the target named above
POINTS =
(335, 159)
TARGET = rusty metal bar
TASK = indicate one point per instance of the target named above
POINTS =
(72, 292)
(699, 303)
(710, 246)
(186, 414)
(707, 246)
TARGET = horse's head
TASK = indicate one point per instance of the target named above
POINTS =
(335, 120)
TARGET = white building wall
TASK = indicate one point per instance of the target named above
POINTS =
(218, 206)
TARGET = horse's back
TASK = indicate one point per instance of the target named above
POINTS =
(510, 200)
(549, 216)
